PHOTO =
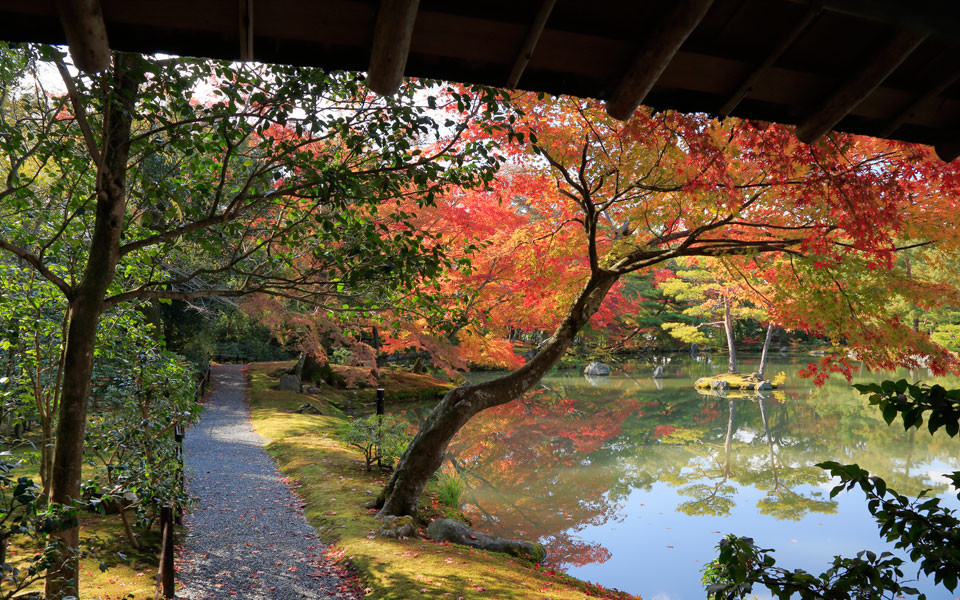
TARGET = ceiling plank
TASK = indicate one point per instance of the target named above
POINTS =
(656, 52)
(530, 42)
(936, 17)
(747, 84)
(895, 123)
(391, 45)
(845, 98)
(86, 33)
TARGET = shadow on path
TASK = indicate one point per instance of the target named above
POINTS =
(247, 534)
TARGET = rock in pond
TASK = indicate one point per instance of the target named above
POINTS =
(596, 368)
(448, 530)
(658, 372)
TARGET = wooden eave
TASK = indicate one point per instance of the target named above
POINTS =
(884, 68)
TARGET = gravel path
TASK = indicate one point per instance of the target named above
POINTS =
(248, 537)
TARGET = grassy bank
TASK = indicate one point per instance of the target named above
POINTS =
(331, 480)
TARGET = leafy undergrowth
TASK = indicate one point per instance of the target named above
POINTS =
(399, 385)
(134, 576)
(331, 480)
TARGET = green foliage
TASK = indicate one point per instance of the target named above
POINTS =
(218, 332)
(928, 531)
(891, 398)
(143, 394)
(948, 336)
(450, 488)
(386, 433)
(741, 565)
(20, 516)
(324, 373)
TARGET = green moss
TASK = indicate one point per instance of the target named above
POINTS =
(733, 381)
(131, 578)
(334, 486)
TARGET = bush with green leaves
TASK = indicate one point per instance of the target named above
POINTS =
(20, 517)
(383, 436)
(450, 489)
(925, 529)
(144, 399)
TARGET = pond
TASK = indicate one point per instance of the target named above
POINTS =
(630, 482)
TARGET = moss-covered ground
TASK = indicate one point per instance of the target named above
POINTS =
(131, 573)
(331, 480)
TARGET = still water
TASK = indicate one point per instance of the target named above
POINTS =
(631, 482)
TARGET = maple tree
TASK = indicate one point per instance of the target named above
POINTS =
(175, 178)
(666, 185)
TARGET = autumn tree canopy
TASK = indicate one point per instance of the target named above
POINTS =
(821, 225)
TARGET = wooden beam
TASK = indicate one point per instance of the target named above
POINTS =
(658, 49)
(747, 84)
(844, 99)
(936, 17)
(246, 29)
(391, 44)
(895, 123)
(530, 42)
(949, 150)
(86, 33)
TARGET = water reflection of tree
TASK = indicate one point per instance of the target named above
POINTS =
(567, 456)
(753, 460)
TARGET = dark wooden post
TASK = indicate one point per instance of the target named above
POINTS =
(380, 393)
(178, 436)
(166, 552)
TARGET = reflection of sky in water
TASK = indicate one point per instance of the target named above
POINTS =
(649, 545)
(658, 552)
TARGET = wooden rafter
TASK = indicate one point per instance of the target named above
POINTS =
(936, 17)
(530, 42)
(914, 106)
(657, 50)
(747, 84)
(246, 29)
(845, 98)
(391, 44)
(86, 33)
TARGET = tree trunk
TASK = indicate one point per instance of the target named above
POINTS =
(766, 349)
(127, 529)
(425, 453)
(728, 329)
(46, 454)
(84, 311)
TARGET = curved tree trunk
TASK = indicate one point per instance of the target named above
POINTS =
(84, 311)
(728, 329)
(425, 453)
(766, 351)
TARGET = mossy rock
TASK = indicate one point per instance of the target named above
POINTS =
(734, 381)
(324, 373)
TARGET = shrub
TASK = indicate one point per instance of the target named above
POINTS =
(450, 488)
(366, 434)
